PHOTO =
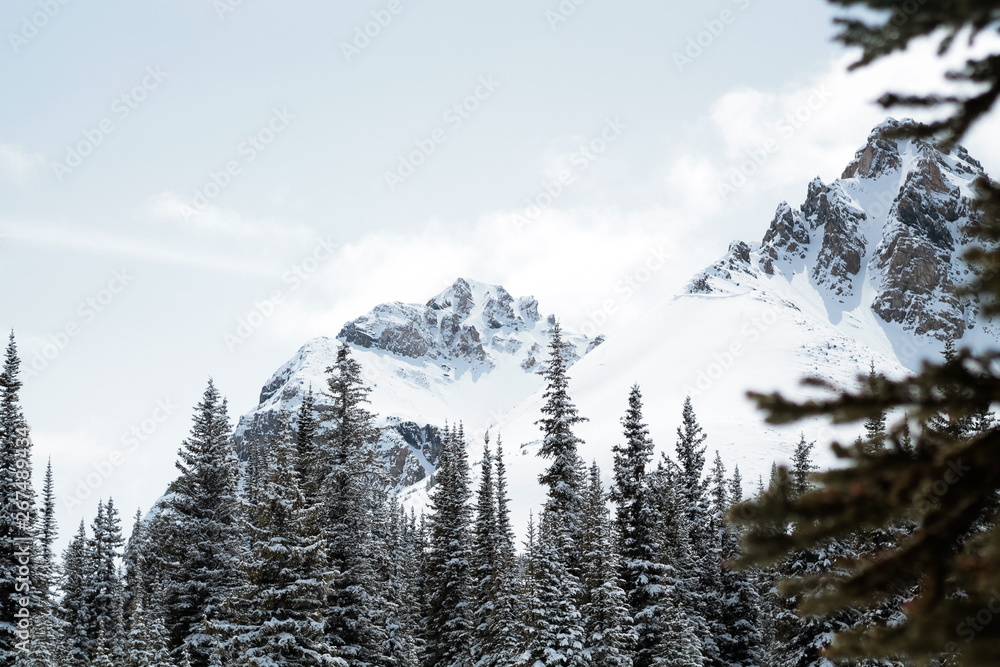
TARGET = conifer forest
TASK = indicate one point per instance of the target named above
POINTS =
(781, 452)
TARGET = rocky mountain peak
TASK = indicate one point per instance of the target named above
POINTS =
(888, 236)
(473, 348)
(468, 322)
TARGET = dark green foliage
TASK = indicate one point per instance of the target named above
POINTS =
(197, 538)
(354, 491)
(607, 618)
(636, 520)
(564, 477)
(450, 614)
(279, 609)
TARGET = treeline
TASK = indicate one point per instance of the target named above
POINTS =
(300, 555)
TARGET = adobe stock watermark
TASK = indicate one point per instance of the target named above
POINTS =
(939, 488)
(722, 361)
(365, 34)
(121, 109)
(562, 13)
(137, 434)
(702, 41)
(630, 284)
(264, 309)
(246, 152)
(224, 7)
(23, 539)
(87, 311)
(33, 24)
(785, 129)
(454, 117)
(580, 160)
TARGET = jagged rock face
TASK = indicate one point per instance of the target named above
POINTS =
(830, 211)
(787, 238)
(893, 222)
(456, 325)
(921, 242)
(730, 268)
(877, 157)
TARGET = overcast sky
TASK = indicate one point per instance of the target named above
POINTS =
(169, 168)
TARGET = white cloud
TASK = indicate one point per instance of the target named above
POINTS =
(574, 262)
(213, 220)
(132, 246)
(20, 167)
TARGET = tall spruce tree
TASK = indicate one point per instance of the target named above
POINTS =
(45, 647)
(692, 489)
(564, 476)
(354, 489)
(641, 571)
(555, 632)
(609, 639)
(279, 609)
(312, 458)
(504, 624)
(200, 549)
(485, 561)
(683, 573)
(48, 532)
(737, 632)
(104, 590)
(17, 515)
(77, 574)
(402, 591)
(450, 614)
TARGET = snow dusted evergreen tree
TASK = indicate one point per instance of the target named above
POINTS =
(312, 458)
(354, 490)
(485, 562)
(279, 609)
(564, 477)
(680, 645)
(682, 575)
(692, 489)
(104, 591)
(799, 640)
(607, 619)
(134, 564)
(738, 633)
(199, 551)
(641, 571)
(77, 575)
(555, 635)
(103, 654)
(402, 595)
(45, 645)
(44, 649)
(47, 571)
(17, 512)
(450, 614)
(504, 623)
(146, 645)
(802, 467)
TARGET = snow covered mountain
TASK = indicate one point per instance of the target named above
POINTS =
(472, 352)
(864, 271)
